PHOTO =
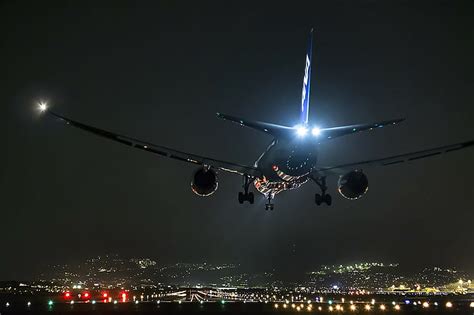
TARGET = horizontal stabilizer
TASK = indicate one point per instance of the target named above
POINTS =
(272, 129)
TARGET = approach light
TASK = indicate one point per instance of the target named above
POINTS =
(42, 106)
(316, 131)
(301, 131)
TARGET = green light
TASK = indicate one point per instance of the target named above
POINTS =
(50, 302)
(222, 302)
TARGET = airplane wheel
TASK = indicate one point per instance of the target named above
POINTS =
(328, 199)
(251, 198)
(318, 199)
(241, 197)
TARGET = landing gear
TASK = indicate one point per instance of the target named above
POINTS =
(246, 195)
(323, 197)
(269, 205)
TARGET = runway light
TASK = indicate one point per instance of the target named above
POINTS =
(382, 307)
(301, 131)
(315, 131)
(426, 304)
(7, 304)
(93, 302)
(367, 307)
(115, 301)
(276, 305)
(397, 307)
(28, 304)
(353, 307)
(320, 308)
(298, 308)
(136, 302)
(72, 302)
(202, 302)
(285, 306)
(50, 302)
(449, 304)
(331, 308)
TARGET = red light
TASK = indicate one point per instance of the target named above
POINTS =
(124, 297)
(86, 295)
(67, 294)
(104, 294)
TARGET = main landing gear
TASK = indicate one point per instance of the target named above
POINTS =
(323, 197)
(246, 195)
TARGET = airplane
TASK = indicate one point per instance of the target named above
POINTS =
(287, 163)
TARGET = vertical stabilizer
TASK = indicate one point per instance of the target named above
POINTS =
(306, 82)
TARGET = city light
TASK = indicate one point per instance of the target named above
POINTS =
(331, 308)
(86, 295)
(449, 304)
(7, 304)
(426, 304)
(352, 307)
(276, 305)
(50, 302)
(472, 304)
(72, 302)
(28, 304)
(298, 308)
(367, 307)
(397, 307)
(93, 302)
(382, 307)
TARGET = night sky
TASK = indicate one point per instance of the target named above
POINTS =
(159, 71)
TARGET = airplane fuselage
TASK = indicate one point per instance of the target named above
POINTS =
(285, 165)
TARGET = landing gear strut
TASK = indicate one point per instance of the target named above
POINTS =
(269, 205)
(323, 197)
(246, 195)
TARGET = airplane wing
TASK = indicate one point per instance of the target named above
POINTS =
(396, 159)
(163, 151)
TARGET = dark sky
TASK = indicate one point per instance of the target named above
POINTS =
(160, 70)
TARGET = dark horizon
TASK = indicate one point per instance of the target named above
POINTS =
(160, 71)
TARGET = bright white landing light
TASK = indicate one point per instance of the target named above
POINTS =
(301, 131)
(42, 106)
(316, 131)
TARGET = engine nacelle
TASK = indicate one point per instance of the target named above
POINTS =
(353, 185)
(204, 182)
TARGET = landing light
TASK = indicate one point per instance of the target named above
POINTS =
(42, 106)
(301, 131)
(316, 131)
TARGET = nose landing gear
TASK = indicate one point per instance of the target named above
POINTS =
(269, 205)
(246, 195)
(323, 197)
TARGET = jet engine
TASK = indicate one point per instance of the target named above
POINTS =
(204, 182)
(353, 185)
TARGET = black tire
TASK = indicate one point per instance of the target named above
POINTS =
(251, 198)
(318, 199)
(328, 199)
(241, 197)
